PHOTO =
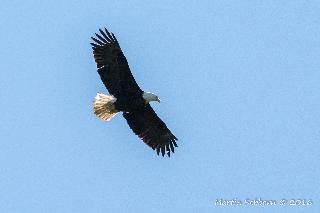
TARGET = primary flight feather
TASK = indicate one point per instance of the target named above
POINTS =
(126, 96)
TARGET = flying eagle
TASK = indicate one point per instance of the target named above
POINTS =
(126, 96)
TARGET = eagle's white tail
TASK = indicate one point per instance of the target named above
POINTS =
(103, 106)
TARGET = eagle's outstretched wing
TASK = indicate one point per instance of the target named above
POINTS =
(151, 129)
(112, 65)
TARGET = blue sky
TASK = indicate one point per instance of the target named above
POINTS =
(239, 86)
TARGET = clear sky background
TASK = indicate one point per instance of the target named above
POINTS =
(239, 83)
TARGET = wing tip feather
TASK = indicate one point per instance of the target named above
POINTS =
(104, 38)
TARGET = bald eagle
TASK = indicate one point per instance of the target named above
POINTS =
(126, 96)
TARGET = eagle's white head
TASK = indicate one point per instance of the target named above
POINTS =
(149, 96)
